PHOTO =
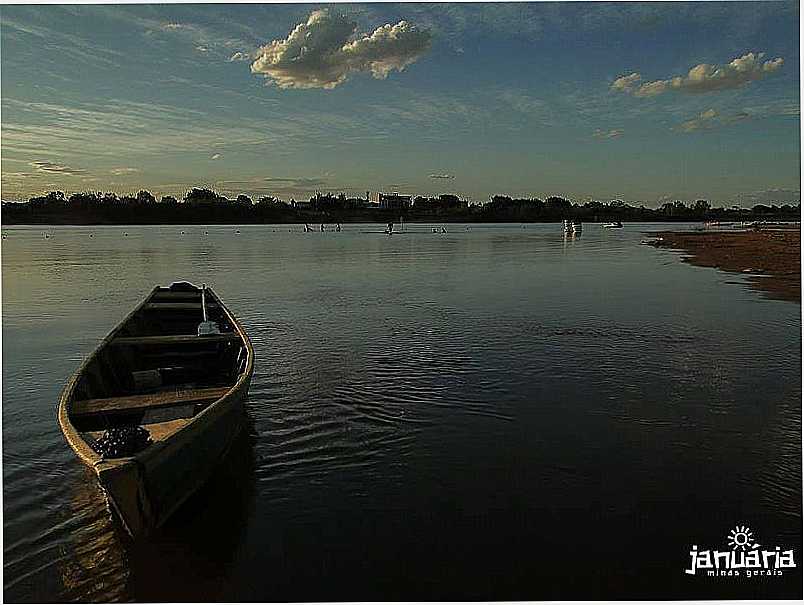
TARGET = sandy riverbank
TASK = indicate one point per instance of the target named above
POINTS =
(772, 257)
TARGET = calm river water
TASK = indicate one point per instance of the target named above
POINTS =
(492, 413)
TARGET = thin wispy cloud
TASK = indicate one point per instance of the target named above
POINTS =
(216, 156)
(771, 195)
(296, 182)
(282, 186)
(100, 130)
(202, 38)
(123, 171)
(325, 50)
(45, 166)
(66, 44)
(442, 176)
(703, 78)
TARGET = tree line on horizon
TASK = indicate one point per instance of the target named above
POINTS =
(205, 206)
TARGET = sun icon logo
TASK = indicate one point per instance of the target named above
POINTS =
(742, 538)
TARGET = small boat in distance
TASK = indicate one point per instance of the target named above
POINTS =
(158, 403)
(572, 226)
(613, 225)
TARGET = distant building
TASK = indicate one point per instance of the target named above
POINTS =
(300, 205)
(443, 203)
(394, 201)
(357, 203)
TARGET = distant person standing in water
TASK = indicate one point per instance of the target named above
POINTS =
(322, 228)
(390, 228)
(338, 228)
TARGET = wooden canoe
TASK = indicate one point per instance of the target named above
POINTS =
(154, 371)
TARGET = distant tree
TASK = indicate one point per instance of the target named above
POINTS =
(54, 197)
(557, 205)
(245, 200)
(82, 199)
(169, 200)
(701, 207)
(201, 196)
(145, 197)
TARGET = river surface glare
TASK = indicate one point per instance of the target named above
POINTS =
(498, 412)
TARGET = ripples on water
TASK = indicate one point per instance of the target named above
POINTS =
(499, 413)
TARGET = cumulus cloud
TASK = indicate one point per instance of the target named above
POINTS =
(325, 50)
(703, 77)
(442, 176)
(44, 166)
(603, 135)
(240, 56)
(216, 156)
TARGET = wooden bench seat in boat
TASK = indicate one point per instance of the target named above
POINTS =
(174, 339)
(133, 403)
(168, 295)
(177, 306)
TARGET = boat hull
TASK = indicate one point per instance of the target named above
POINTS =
(145, 491)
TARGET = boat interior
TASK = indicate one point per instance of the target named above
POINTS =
(156, 371)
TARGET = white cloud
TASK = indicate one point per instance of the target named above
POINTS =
(122, 171)
(703, 77)
(711, 119)
(324, 52)
(44, 166)
(240, 56)
(442, 176)
(604, 135)
(704, 121)
(626, 83)
(216, 156)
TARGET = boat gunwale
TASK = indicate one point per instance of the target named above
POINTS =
(79, 445)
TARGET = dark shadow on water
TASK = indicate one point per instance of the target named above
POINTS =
(190, 558)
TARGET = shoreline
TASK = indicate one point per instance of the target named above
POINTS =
(770, 258)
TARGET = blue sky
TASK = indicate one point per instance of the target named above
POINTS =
(586, 100)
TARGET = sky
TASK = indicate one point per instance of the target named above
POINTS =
(646, 102)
